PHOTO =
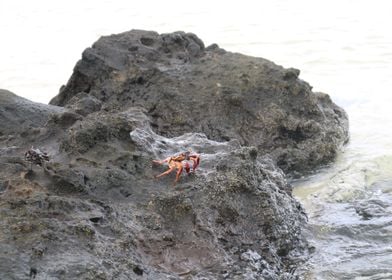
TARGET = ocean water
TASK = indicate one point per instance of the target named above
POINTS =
(343, 48)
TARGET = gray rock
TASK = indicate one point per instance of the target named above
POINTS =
(95, 210)
(18, 114)
(186, 87)
(97, 213)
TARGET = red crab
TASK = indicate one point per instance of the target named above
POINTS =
(179, 162)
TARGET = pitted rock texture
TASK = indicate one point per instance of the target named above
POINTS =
(186, 87)
(97, 212)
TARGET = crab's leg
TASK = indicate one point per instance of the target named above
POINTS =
(171, 169)
(179, 171)
(160, 161)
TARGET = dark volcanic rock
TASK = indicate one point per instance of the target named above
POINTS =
(18, 114)
(95, 210)
(186, 87)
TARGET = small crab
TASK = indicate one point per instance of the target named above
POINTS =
(36, 156)
(182, 161)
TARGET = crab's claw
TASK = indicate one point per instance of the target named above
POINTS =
(196, 161)
(187, 167)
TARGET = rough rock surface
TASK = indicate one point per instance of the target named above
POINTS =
(95, 210)
(18, 114)
(186, 87)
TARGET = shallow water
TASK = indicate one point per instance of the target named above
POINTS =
(343, 47)
(350, 222)
(350, 203)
